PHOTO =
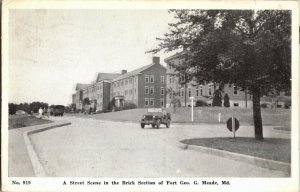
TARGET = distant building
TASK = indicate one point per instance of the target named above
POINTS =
(77, 97)
(145, 86)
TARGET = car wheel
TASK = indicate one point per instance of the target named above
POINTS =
(153, 125)
(158, 123)
(168, 123)
(142, 125)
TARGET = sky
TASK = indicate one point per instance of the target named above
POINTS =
(52, 50)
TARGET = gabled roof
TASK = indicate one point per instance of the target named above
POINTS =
(176, 55)
(134, 72)
(107, 76)
(80, 86)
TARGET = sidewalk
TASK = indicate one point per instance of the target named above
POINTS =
(19, 163)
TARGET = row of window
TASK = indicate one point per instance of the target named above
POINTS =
(124, 82)
(150, 79)
(162, 90)
(150, 102)
(126, 92)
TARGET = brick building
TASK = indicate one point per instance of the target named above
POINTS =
(145, 86)
(176, 84)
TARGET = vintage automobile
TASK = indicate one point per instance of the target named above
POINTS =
(156, 117)
(58, 110)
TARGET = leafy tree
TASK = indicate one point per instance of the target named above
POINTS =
(226, 100)
(248, 48)
(12, 108)
(217, 99)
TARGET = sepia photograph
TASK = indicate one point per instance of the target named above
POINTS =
(156, 97)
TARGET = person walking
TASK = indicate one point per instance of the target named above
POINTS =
(40, 113)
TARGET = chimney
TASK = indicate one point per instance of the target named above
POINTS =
(123, 72)
(155, 60)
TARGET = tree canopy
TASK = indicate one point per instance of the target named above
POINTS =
(249, 48)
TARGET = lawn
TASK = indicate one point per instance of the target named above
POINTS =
(270, 148)
(18, 121)
(280, 117)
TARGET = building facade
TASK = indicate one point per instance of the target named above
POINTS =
(176, 85)
(145, 86)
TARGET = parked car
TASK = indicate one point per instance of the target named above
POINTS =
(58, 110)
(156, 117)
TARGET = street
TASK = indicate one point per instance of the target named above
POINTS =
(95, 148)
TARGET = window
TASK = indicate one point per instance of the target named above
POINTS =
(162, 79)
(197, 92)
(146, 102)
(162, 102)
(209, 90)
(134, 90)
(126, 82)
(130, 81)
(130, 91)
(126, 92)
(118, 83)
(171, 79)
(146, 78)
(151, 78)
(201, 90)
(235, 90)
(162, 91)
(182, 92)
(190, 92)
(170, 95)
(118, 93)
(151, 102)
(151, 90)
(122, 83)
(146, 90)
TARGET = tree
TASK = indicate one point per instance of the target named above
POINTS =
(250, 49)
(217, 99)
(226, 100)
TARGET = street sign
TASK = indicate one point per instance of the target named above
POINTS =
(233, 125)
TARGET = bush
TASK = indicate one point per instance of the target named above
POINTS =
(226, 100)
(200, 103)
(217, 99)
(264, 105)
(287, 104)
(129, 105)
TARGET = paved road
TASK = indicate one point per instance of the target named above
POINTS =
(94, 148)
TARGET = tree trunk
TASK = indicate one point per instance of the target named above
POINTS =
(258, 128)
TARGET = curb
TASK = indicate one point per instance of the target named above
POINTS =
(261, 162)
(35, 162)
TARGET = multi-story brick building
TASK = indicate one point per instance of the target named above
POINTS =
(145, 86)
(177, 85)
(98, 92)
(238, 98)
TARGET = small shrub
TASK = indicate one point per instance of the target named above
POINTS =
(217, 99)
(200, 103)
(287, 104)
(129, 105)
(226, 100)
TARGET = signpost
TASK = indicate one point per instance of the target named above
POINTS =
(192, 106)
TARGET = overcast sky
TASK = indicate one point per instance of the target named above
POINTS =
(52, 50)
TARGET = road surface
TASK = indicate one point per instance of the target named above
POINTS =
(96, 148)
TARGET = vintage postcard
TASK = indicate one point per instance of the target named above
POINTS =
(150, 96)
